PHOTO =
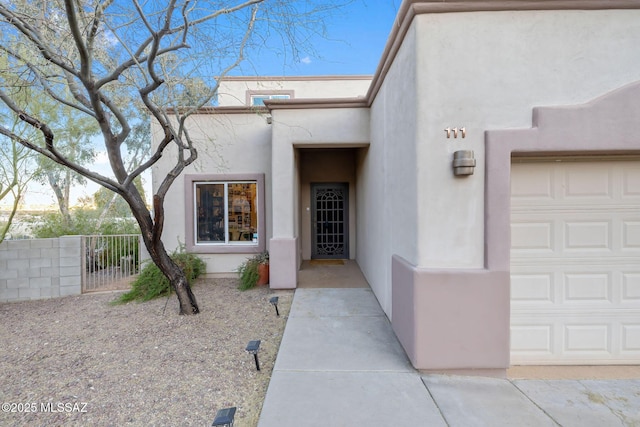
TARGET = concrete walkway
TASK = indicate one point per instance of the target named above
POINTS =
(340, 364)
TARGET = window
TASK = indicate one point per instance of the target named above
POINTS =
(226, 212)
(225, 215)
(258, 100)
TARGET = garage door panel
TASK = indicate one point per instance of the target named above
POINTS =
(587, 236)
(631, 287)
(584, 232)
(532, 288)
(575, 263)
(588, 287)
(587, 263)
(631, 183)
(631, 233)
(532, 236)
(540, 189)
(582, 340)
(576, 338)
(596, 285)
(529, 339)
(582, 183)
(630, 338)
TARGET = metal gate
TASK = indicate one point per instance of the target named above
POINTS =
(330, 220)
(110, 262)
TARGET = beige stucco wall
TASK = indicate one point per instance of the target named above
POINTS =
(343, 127)
(483, 71)
(231, 143)
(387, 185)
(293, 130)
(233, 91)
(490, 76)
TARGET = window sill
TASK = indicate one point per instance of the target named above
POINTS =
(221, 248)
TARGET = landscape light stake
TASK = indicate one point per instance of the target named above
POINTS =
(274, 301)
(253, 348)
(224, 417)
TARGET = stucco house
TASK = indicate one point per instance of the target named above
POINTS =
(526, 252)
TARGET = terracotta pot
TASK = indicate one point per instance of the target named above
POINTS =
(263, 274)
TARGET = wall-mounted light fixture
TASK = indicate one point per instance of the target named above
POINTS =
(463, 163)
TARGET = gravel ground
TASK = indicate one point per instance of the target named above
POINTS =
(78, 361)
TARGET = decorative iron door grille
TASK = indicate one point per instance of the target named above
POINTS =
(330, 220)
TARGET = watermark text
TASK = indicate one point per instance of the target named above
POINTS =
(23, 407)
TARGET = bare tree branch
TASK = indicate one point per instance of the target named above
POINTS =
(44, 80)
(115, 61)
(34, 36)
(50, 151)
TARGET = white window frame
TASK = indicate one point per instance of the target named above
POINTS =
(268, 94)
(191, 243)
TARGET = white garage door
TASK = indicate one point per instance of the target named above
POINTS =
(575, 262)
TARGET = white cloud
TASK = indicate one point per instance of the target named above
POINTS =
(306, 60)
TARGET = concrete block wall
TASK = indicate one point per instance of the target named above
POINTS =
(40, 268)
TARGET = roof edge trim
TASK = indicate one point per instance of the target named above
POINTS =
(308, 103)
(297, 78)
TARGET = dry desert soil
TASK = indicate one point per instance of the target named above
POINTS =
(80, 361)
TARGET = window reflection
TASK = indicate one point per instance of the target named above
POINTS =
(238, 223)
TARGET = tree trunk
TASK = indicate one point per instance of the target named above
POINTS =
(63, 202)
(186, 298)
(173, 272)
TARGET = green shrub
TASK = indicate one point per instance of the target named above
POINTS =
(53, 224)
(248, 270)
(81, 221)
(151, 283)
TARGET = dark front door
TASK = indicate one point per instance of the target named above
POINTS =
(330, 220)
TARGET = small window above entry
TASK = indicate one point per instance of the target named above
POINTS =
(256, 98)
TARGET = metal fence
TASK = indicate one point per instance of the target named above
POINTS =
(110, 262)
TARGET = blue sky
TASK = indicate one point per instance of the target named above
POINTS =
(356, 37)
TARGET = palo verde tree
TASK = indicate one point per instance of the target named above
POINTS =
(74, 131)
(16, 170)
(104, 57)
(17, 163)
